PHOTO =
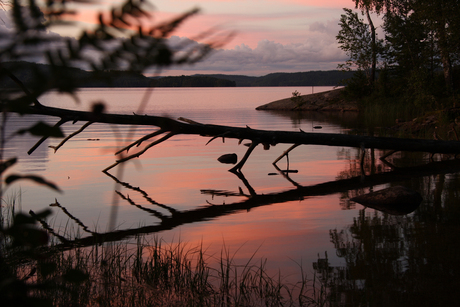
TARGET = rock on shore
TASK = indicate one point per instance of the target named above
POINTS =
(325, 101)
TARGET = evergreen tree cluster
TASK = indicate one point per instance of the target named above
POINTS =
(418, 57)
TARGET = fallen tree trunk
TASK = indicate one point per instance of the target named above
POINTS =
(172, 127)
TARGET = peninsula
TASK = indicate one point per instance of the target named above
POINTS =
(332, 101)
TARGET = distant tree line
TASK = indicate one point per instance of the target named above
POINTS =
(309, 78)
(29, 73)
(418, 58)
(193, 81)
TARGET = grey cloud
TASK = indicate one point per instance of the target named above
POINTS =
(330, 27)
(319, 51)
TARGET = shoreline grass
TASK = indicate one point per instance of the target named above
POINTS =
(146, 273)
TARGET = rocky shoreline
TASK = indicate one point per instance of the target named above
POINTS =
(330, 101)
(433, 123)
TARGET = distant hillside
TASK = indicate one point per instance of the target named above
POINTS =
(310, 78)
(36, 75)
(193, 81)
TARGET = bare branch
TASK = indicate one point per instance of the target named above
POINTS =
(256, 136)
(238, 167)
(219, 136)
(286, 176)
(70, 136)
(58, 124)
(286, 153)
(139, 141)
(189, 121)
(139, 153)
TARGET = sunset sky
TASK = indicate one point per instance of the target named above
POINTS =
(271, 35)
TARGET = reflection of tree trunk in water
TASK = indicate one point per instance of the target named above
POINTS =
(371, 133)
(437, 195)
(178, 218)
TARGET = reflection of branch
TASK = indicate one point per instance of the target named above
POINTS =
(383, 158)
(240, 175)
(144, 194)
(48, 228)
(224, 193)
(286, 176)
(251, 190)
(151, 211)
(213, 211)
(80, 223)
(389, 164)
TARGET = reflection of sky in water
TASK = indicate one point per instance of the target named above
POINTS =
(174, 173)
(19, 145)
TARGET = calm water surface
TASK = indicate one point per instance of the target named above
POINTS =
(407, 254)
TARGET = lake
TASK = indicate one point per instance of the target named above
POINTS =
(367, 251)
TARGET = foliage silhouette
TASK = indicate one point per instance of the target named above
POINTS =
(123, 39)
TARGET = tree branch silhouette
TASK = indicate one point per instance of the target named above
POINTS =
(171, 127)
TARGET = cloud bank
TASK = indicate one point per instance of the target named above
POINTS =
(319, 51)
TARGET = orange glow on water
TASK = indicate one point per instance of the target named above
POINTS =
(180, 175)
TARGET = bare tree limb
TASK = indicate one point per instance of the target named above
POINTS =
(139, 141)
(265, 137)
(70, 136)
(58, 124)
(240, 164)
(286, 153)
(139, 153)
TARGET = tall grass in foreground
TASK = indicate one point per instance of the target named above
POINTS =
(155, 274)
(385, 113)
(172, 275)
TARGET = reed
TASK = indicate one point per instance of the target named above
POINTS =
(153, 273)
(386, 112)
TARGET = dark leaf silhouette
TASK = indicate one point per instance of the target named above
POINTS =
(7, 164)
(37, 179)
(43, 129)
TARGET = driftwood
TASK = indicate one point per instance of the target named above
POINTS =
(169, 127)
